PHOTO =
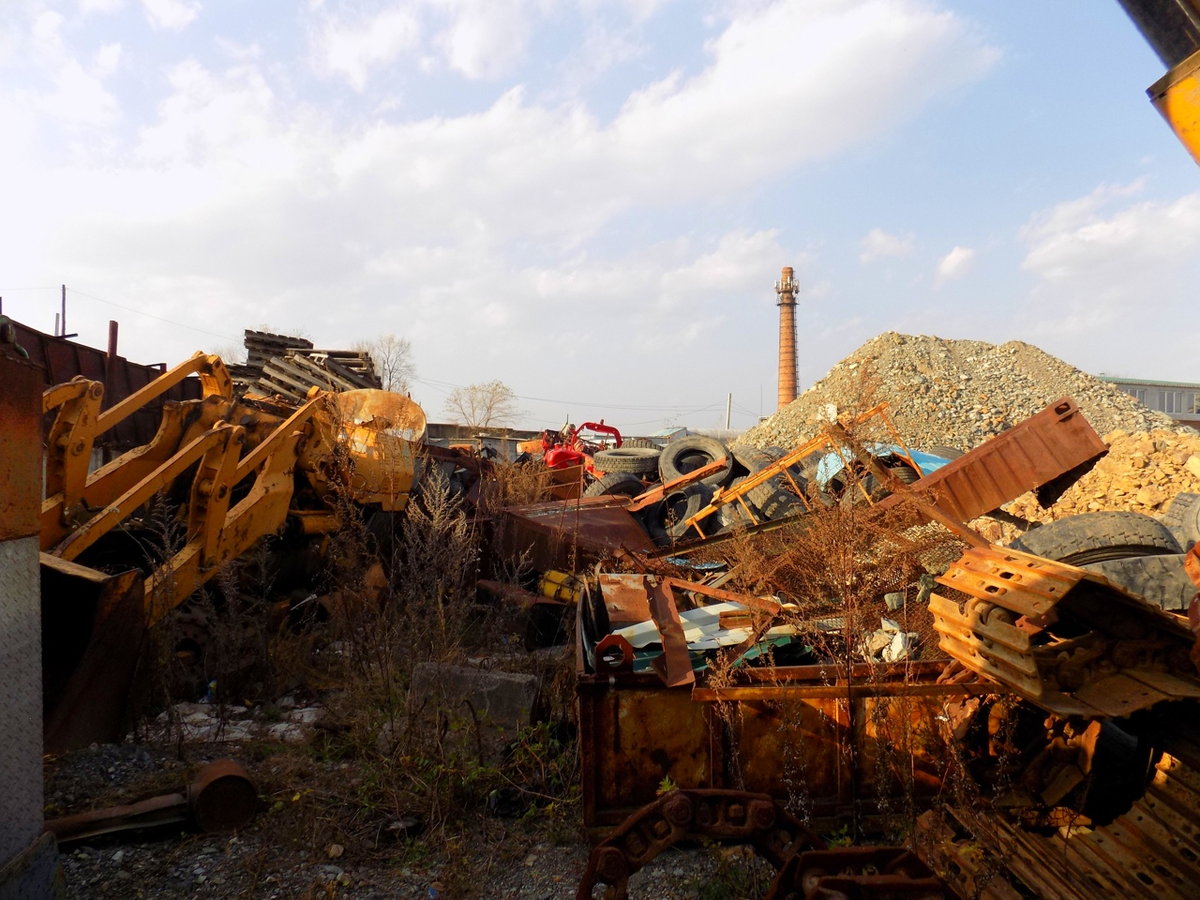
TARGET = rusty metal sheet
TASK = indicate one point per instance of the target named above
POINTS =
(674, 666)
(93, 626)
(795, 729)
(61, 360)
(563, 535)
(20, 448)
(1057, 443)
(625, 598)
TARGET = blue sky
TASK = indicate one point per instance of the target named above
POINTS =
(591, 199)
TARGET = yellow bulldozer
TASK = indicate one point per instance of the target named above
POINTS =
(232, 470)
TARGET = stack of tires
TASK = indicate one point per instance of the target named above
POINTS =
(666, 521)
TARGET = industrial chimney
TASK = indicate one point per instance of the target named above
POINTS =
(786, 288)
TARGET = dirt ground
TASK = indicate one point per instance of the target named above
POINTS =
(284, 852)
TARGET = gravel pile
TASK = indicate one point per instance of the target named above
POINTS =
(1142, 473)
(953, 393)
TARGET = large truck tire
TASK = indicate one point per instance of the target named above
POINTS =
(1161, 581)
(623, 484)
(635, 460)
(1183, 519)
(1099, 536)
(694, 452)
(645, 443)
(685, 504)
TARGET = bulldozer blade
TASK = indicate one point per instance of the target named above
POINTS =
(93, 630)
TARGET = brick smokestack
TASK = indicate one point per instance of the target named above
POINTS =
(786, 288)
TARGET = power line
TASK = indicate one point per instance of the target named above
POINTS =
(433, 383)
(228, 337)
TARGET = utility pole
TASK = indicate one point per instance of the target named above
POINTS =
(786, 288)
(728, 409)
(63, 333)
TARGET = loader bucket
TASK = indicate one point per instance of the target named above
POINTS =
(371, 435)
(93, 630)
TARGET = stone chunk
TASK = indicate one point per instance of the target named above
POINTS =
(500, 702)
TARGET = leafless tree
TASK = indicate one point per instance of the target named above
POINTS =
(491, 403)
(393, 361)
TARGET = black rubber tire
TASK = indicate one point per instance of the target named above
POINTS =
(780, 505)
(1183, 519)
(691, 453)
(637, 460)
(695, 498)
(1099, 536)
(622, 484)
(733, 515)
(646, 443)
(752, 458)
(944, 452)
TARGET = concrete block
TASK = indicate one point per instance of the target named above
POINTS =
(500, 702)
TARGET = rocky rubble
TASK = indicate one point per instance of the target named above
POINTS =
(953, 393)
(1141, 473)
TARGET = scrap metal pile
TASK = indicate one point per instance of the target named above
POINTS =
(1008, 694)
(769, 644)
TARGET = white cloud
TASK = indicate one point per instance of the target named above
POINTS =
(100, 6)
(955, 264)
(879, 244)
(171, 15)
(485, 38)
(353, 49)
(108, 58)
(1102, 257)
(241, 200)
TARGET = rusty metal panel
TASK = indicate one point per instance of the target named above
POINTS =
(787, 732)
(61, 360)
(20, 448)
(631, 737)
(1055, 443)
(561, 535)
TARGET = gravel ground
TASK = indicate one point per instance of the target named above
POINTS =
(954, 393)
(500, 858)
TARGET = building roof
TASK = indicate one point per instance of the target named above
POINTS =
(1114, 379)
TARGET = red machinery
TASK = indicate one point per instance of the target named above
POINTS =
(567, 447)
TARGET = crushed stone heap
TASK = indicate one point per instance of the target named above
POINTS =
(954, 393)
(1142, 473)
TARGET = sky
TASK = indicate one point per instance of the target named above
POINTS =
(591, 200)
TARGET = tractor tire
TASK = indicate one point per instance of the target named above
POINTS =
(621, 484)
(635, 460)
(946, 453)
(1183, 519)
(1098, 537)
(691, 453)
(645, 443)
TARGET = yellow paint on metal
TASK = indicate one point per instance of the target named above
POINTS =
(1177, 97)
